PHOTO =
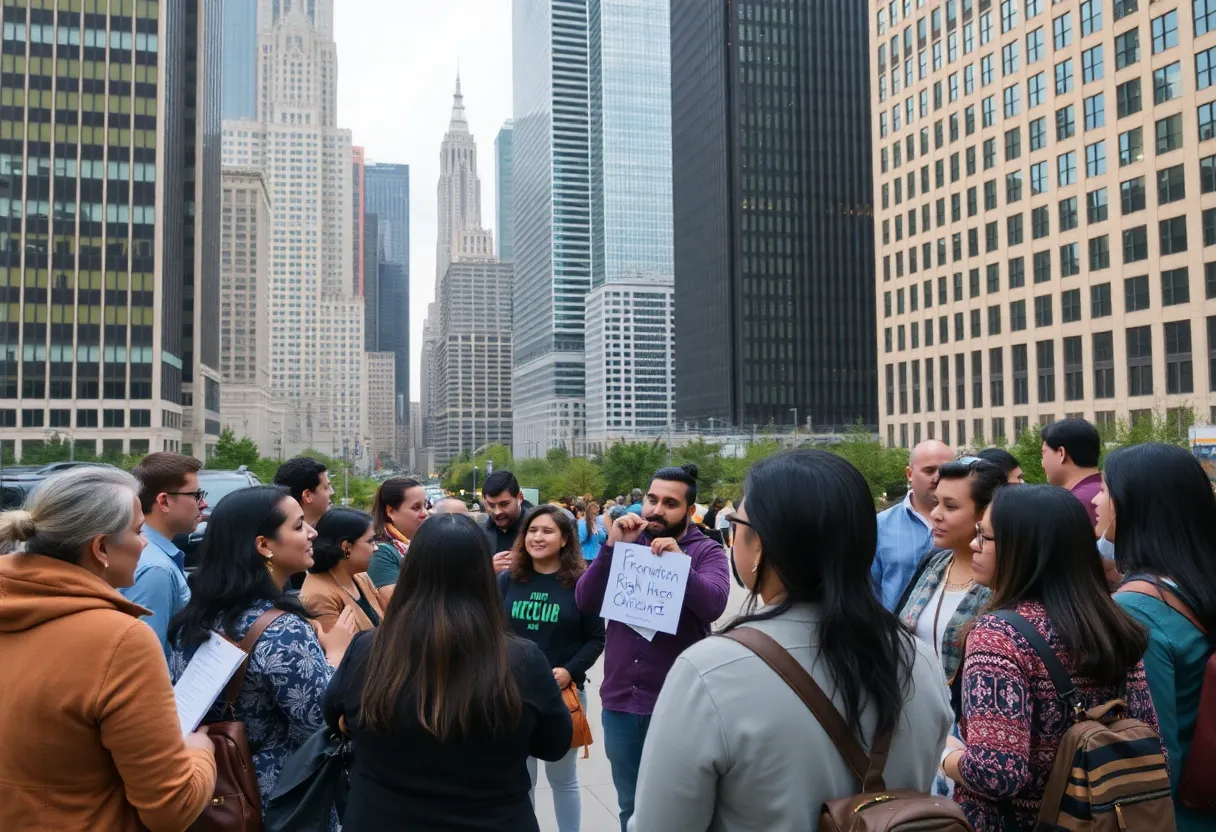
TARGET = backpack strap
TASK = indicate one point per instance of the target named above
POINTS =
(1143, 583)
(1066, 690)
(233, 690)
(867, 768)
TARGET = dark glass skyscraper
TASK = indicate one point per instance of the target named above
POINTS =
(386, 194)
(774, 239)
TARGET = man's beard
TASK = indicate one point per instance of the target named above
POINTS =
(674, 532)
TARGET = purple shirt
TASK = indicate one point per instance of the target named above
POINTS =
(634, 668)
(1085, 491)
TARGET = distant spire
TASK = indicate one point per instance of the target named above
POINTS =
(459, 123)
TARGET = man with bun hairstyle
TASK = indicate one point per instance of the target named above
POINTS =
(635, 667)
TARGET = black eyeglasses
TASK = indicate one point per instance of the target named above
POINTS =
(733, 520)
(198, 496)
(979, 533)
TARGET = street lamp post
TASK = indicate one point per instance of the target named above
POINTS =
(474, 480)
(794, 410)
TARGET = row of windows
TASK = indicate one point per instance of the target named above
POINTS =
(980, 377)
(62, 418)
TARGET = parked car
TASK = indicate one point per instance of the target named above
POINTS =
(17, 481)
(218, 485)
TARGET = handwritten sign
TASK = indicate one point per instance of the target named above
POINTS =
(646, 591)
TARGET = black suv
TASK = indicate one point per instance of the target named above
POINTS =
(17, 481)
(218, 485)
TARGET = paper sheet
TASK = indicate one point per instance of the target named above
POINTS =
(204, 679)
(646, 591)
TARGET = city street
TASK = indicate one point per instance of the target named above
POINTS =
(594, 773)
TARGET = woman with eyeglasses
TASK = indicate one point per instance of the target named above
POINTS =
(728, 733)
(1036, 554)
(1158, 501)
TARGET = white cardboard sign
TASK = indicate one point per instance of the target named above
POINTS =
(646, 591)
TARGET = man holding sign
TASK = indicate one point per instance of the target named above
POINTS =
(669, 608)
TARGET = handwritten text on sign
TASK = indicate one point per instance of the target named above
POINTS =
(646, 590)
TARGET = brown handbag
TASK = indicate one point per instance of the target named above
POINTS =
(875, 807)
(236, 803)
(582, 728)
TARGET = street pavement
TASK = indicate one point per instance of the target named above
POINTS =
(594, 773)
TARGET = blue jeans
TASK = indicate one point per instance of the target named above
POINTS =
(563, 779)
(624, 736)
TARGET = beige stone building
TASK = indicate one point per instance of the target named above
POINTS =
(1045, 213)
(381, 398)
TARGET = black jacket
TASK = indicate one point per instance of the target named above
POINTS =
(499, 540)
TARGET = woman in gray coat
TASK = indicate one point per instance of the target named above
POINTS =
(731, 747)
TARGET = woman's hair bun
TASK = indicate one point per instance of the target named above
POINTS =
(17, 525)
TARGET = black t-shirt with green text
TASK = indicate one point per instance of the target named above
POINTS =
(543, 611)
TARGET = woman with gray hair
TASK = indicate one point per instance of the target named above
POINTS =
(91, 733)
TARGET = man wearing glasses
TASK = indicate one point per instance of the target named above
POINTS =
(173, 504)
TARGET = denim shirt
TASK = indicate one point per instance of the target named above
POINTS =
(904, 538)
(160, 584)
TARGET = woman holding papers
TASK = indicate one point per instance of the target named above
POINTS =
(538, 591)
(91, 737)
(338, 578)
(443, 707)
(256, 539)
(731, 746)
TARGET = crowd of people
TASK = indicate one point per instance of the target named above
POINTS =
(454, 650)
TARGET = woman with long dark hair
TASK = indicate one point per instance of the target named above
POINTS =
(256, 540)
(338, 578)
(1034, 548)
(398, 509)
(443, 706)
(1006, 461)
(1157, 503)
(727, 731)
(538, 593)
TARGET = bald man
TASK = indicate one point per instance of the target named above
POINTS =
(904, 534)
(450, 505)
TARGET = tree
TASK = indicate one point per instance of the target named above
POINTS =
(231, 453)
(460, 471)
(580, 477)
(882, 467)
(538, 474)
(707, 456)
(628, 465)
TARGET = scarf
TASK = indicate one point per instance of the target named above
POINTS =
(399, 541)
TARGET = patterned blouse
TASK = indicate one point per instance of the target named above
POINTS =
(1012, 719)
(280, 701)
(918, 601)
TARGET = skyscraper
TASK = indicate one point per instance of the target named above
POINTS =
(88, 268)
(359, 280)
(504, 191)
(773, 220)
(387, 196)
(1072, 273)
(240, 53)
(316, 321)
(552, 221)
(460, 233)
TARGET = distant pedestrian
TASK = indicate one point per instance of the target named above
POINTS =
(904, 536)
(635, 507)
(1007, 462)
(1071, 449)
(634, 666)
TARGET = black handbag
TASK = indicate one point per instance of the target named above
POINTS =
(313, 783)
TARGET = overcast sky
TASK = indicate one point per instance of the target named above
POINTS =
(397, 64)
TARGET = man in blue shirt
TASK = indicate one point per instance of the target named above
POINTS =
(636, 506)
(904, 534)
(172, 504)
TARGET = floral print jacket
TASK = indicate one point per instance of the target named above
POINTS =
(280, 700)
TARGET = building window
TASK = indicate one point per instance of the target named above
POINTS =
(1068, 214)
(994, 320)
(1034, 46)
(113, 418)
(1207, 121)
(1095, 111)
(1064, 77)
(1175, 287)
(1171, 184)
(1013, 100)
(1091, 64)
(32, 418)
(1169, 133)
(86, 418)
(1173, 235)
(1205, 16)
(1127, 98)
(1139, 361)
(1131, 146)
(1074, 369)
(1207, 173)
(1066, 123)
(1021, 380)
(960, 380)
(1125, 7)
(1062, 32)
(1013, 186)
(1070, 260)
(1135, 244)
(1095, 159)
(1135, 293)
(1165, 32)
(1017, 272)
(977, 378)
(1038, 134)
(1070, 306)
(1042, 311)
(1042, 267)
(944, 366)
(1045, 365)
(1104, 365)
(1013, 230)
(1099, 300)
(1179, 377)
(1040, 223)
(1096, 208)
(1209, 227)
(1167, 83)
(1131, 195)
(996, 376)
(1127, 48)
(1099, 253)
(1212, 353)
(1017, 316)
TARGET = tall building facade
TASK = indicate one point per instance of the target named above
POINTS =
(93, 223)
(306, 158)
(504, 191)
(381, 397)
(771, 173)
(387, 196)
(239, 89)
(459, 195)
(426, 372)
(246, 402)
(472, 397)
(1008, 198)
(358, 278)
(630, 360)
(552, 186)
